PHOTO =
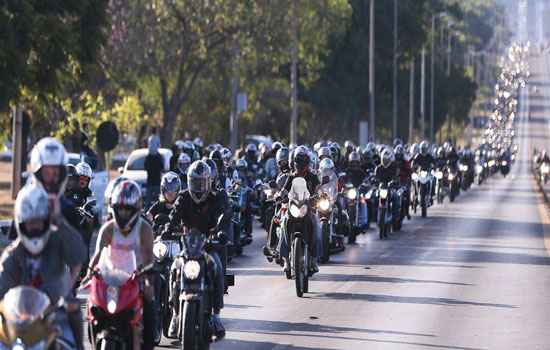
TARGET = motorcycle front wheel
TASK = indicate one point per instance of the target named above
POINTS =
(326, 242)
(298, 266)
(189, 332)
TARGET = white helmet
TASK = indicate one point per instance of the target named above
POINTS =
(50, 152)
(126, 194)
(326, 167)
(83, 169)
(32, 204)
(183, 162)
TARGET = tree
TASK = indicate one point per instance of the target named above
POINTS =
(43, 43)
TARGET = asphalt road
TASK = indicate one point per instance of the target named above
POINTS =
(473, 275)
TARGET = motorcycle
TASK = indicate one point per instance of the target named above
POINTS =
(31, 321)
(115, 304)
(504, 168)
(196, 290)
(354, 208)
(479, 175)
(385, 218)
(296, 225)
(544, 171)
(454, 183)
(326, 210)
(442, 184)
(466, 175)
(423, 190)
(164, 253)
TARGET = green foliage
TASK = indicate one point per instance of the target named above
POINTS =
(44, 43)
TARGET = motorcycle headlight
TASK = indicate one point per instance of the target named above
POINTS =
(192, 269)
(268, 192)
(465, 168)
(545, 168)
(352, 194)
(368, 195)
(298, 212)
(424, 173)
(504, 163)
(112, 299)
(479, 169)
(451, 177)
(439, 175)
(160, 249)
(414, 176)
(324, 204)
(383, 193)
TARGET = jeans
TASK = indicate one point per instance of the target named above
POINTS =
(152, 195)
(219, 255)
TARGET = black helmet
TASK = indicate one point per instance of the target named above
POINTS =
(282, 159)
(276, 147)
(199, 181)
(213, 169)
(424, 148)
(71, 174)
(170, 183)
(216, 156)
(397, 142)
(301, 160)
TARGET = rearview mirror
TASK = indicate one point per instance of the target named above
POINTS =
(121, 169)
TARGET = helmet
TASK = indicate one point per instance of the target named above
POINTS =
(71, 173)
(334, 153)
(213, 169)
(111, 186)
(183, 162)
(326, 167)
(170, 183)
(386, 157)
(447, 145)
(336, 145)
(313, 161)
(49, 152)
(276, 147)
(316, 147)
(126, 195)
(415, 149)
(84, 171)
(452, 151)
(251, 147)
(397, 142)
(241, 164)
(189, 148)
(264, 149)
(216, 156)
(349, 144)
(199, 181)
(371, 146)
(354, 157)
(424, 148)
(441, 152)
(197, 142)
(179, 144)
(301, 160)
(226, 156)
(399, 152)
(32, 204)
(367, 154)
(282, 159)
(324, 152)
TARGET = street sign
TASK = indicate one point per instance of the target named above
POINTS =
(107, 136)
(241, 102)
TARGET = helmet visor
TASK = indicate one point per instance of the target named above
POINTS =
(199, 185)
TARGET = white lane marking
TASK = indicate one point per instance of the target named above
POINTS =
(386, 254)
(280, 347)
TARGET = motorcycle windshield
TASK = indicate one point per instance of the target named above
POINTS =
(193, 244)
(24, 304)
(331, 190)
(299, 191)
(116, 266)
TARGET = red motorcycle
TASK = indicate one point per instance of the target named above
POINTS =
(115, 304)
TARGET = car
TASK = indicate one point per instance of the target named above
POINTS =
(134, 168)
(99, 181)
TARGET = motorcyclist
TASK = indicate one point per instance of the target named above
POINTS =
(252, 159)
(368, 165)
(245, 184)
(176, 148)
(197, 142)
(405, 172)
(301, 161)
(199, 207)
(386, 172)
(72, 180)
(222, 180)
(189, 149)
(423, 159)
(170, 186)
(183, 164)
(129, 231)
(82, 191)
(441, 161)
(45, 247)
(228, 167)
(355, 174)
(323, 153)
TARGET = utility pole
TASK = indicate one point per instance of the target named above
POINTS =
(293, 80)
(432, 80)
(448, 75)
(234, 115)
(371, 71)
(422, 93)
(394, 124)
(17, 149)
(411, 103)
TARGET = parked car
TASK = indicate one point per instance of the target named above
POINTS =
(135, 166)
